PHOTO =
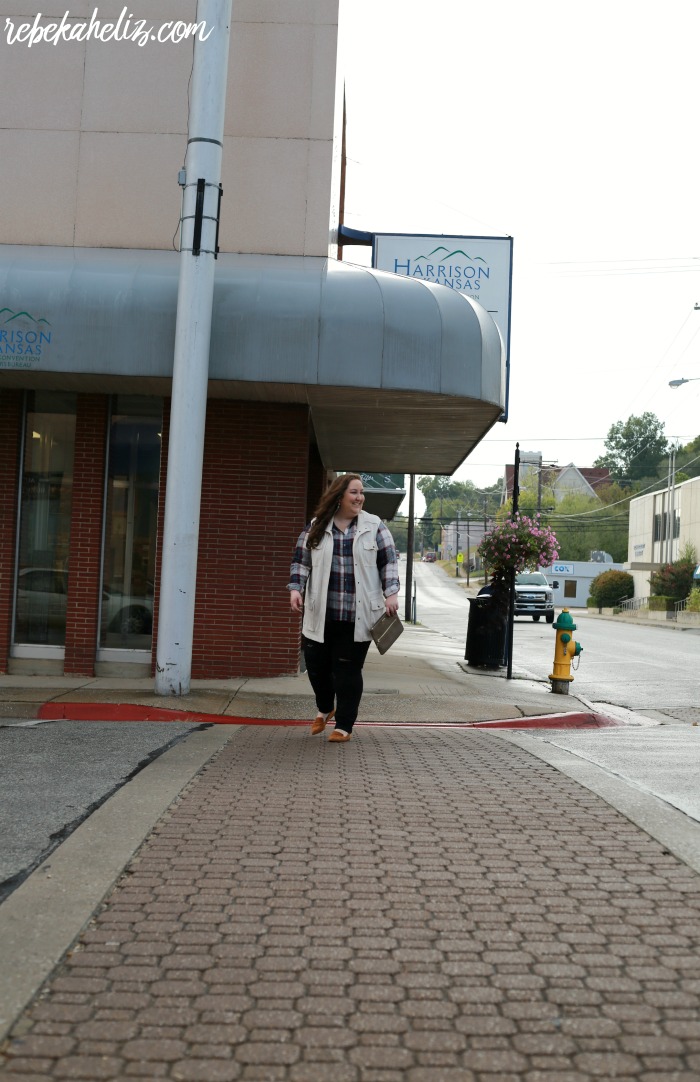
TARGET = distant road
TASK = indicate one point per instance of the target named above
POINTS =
(639, 667)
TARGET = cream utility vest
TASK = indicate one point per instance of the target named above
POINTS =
(369, 597)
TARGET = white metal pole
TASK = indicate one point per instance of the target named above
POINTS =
(666, 531)
(672, 504)
(192, 338)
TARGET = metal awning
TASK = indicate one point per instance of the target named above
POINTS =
(400, 375)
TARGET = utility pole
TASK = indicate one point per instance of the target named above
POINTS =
(410, 546)
(539, 485)
(199, 233)
(457, 550)
(511, 577)
(671, 513)
(469, 545)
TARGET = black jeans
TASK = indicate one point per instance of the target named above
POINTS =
(334, 668)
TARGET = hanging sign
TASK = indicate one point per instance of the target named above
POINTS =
(479, 267)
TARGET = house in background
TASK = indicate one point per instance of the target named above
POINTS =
(560, 481)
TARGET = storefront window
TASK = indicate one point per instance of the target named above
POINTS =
(131, 508)
(45, 510)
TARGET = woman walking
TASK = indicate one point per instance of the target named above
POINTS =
(344, 576)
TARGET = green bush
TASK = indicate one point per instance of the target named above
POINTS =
(611, 587)
(693, 600)
(673, 580)
(660, 603)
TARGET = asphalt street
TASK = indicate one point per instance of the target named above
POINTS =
(52, 776)
(646, 669)
(643, 668)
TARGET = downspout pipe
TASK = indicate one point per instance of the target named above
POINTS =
(192, 339)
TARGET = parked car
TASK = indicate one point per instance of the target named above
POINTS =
(41, 599)
(42, 593)
(128, 614)
(429, 557)
(533, 596)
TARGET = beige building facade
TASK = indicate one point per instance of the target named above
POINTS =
(661, 525)
(92, 133)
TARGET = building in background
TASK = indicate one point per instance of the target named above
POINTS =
(572, 580)
(463, 535)
(557, 481)
(316, 366)
(661, 524)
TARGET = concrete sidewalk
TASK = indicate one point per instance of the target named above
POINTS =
(434, 903)
(423, 678)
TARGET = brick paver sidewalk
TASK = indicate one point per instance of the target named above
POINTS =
(420, 905)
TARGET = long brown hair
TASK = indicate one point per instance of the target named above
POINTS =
(327, 507)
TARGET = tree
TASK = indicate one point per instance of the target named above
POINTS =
(672, 580)
(446, 500)
(675, 580)
(399, 531)
(688, 461)
(634, 448)
(584, 523)
(437, 488)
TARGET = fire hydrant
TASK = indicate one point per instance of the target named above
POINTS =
(565, 649)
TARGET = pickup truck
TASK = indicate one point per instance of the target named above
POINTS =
(533, 596)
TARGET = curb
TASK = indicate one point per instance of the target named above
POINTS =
(41, 918)
(130, 712)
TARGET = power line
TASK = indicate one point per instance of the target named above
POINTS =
(634, 495)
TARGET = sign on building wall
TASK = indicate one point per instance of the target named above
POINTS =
(479, 267)
(383, 480)
(25, 339)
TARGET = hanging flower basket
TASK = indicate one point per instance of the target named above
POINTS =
(518, 544)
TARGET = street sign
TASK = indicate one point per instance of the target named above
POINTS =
(480, 267)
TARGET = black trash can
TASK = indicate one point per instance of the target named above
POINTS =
(486, 633)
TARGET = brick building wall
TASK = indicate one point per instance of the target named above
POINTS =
(82, 605)
(10, 451)
(253, 508)
(254, 496)
(256, 488)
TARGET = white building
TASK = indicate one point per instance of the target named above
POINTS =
(573, 580)
(463, 536)
(661, 524)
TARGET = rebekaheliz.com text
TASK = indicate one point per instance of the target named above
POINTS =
(126, 28)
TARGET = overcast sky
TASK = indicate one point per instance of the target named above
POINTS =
(573, 128)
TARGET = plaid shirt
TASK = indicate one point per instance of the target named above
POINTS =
(341, 585)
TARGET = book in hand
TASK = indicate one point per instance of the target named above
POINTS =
(386, 631)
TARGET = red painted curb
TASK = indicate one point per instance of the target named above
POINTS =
(554, 721)
(67, 711)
